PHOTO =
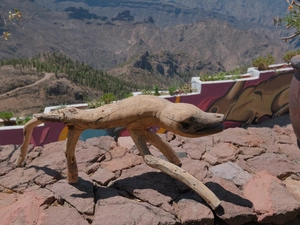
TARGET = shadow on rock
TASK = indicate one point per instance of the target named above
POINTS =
(107, 193)
(47, 170)
(227, 196)
(84, 188)
(157, 182)
(8, 151)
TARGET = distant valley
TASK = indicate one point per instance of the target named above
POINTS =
(108, 33)
(149, 42)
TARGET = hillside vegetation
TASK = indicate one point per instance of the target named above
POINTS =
(78, 72)
(122, 46)
(208, 35)
(30, 84)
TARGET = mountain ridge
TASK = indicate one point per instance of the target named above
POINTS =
(149, 42)
(52, 18)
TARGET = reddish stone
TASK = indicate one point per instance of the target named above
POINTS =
(210, 158)
(126, 142)
(103, 176)
(103, 142)
(92, 168)
(293, 186)
(7, 199)
(88, 155)
(52, 156)
(127, 161)
(170, 136)
(79, 195)
(231, 171)
(244, 138)
(6, 167)
(194, 212)
(112, 209)
(202, 142)
(274, 148)
(194, 151)
(275, 164)
(24, 208)
(20, 179)
(151, 193)
(175, 143)
(224, 152)
(271, 200)
(147, 184)
(251, 152)
(62, 215)
(291, 151)
(116, 152)
(265, 136)
(243, 164)
(31, 156)
(10, 152)
(198, 169)
(235, 209)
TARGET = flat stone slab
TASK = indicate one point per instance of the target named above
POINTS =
(79, 195)
(111, 208)
(272, 202)
(278, 165)
(24, 208)
(231, 171)
(235, 209)
(191, 209)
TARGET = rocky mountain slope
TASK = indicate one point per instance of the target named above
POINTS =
(27, 92)
(108, 33)
(147, 42)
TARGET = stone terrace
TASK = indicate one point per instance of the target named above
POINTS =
(255, 172)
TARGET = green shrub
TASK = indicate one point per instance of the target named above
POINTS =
(209, 77)
(23, 121)
(108, 98)
(234, 74)
(237, 71)
(156, 90)
(6, 116)
(172, 90)
(263, 63)
(185, 89)
(104, 99)
(287, 56)
(128, 95)
(146, 92)
(95, 104)
(205, 77)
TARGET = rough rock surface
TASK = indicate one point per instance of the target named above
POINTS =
(253, 171)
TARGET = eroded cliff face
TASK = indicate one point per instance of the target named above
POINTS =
(182, 38)
(109, 30)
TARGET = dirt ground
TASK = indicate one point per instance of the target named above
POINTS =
(25, 91)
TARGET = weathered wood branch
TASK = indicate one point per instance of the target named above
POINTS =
(173, 170)
(290, 37)
(137, 114)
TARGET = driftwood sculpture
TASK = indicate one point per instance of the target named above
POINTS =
(137, 114)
